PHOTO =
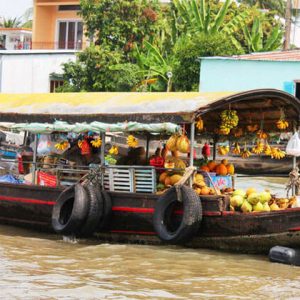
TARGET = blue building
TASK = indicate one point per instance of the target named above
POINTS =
(277, 69)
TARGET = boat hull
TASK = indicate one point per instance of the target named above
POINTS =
(132, 220)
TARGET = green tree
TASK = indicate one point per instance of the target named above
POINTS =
(11, 23)
(275, 5)
(187, 56)
(100, 69)
(121, 24)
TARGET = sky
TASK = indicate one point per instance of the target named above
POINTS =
(14, 8)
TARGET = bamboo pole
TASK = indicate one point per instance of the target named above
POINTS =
(287, 34)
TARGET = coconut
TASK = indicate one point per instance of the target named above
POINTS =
(236, 201)
(246, 207)
(264, 197)
(253, 198)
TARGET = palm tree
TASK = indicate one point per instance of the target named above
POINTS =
(11, 23)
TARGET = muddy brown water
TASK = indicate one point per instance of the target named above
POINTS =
(41, 266)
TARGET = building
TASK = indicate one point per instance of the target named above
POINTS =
(32, 71)
(278, 69)
(15, 38)
(57, 25)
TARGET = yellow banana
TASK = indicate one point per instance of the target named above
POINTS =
(113, 150)
(96, 143)
(132, 141)
(200, 124)
(259, 148)
(236, 150)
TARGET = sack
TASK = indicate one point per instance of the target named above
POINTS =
(293, 145)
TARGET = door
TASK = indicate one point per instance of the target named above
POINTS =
(70, 34)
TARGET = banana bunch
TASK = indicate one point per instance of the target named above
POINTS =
(200, 124)
(62, 145)
(96, 143)
(261, 134)
(268, 149)
(113, 150)
(229, 118)
(224, 130)
(223, 150)
(282, 124)
(277, 153)
(132, 141)
(236, 149)
(259, 148)
(252, 128)
(245, 153)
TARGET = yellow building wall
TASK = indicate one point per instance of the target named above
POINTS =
(45, 22)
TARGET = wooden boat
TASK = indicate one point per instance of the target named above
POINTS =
(130, 210)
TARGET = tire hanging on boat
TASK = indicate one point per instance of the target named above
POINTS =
(95, 212)
(191, 219)
(107, 211)
(70, 210)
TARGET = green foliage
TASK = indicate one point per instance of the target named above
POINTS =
(11, 23)
(187, 54)
(120, 24)
(100, 69)
(278, 6)
(255, 40)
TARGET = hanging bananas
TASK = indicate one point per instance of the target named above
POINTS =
(245, 153)
(200, 124)
(277, 153)
(236, 149)
(268, 149)
(113, 150)
(282, 124)
(132, 141)
(261, 134)
(252, 128)
(223, 150)
(229, 120)
(96, 143)
(62, 145)
(259, 148)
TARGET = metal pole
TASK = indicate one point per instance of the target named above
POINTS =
(192, 139)
(34, 158)
(147, 146)
(102, 154)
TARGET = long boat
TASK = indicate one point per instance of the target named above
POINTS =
(120, 203)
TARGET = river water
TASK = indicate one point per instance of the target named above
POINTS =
(42, 266)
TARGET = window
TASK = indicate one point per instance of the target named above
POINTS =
(68, 7)
(297, 89)
(70, 34)
(54, 84)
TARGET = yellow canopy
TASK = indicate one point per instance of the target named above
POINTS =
(119, 107)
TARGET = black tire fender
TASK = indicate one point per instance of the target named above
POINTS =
(107, 211)
(191, 219)
(70, 210)
(95, 211)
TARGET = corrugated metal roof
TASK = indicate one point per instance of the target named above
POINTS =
(289, 55)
